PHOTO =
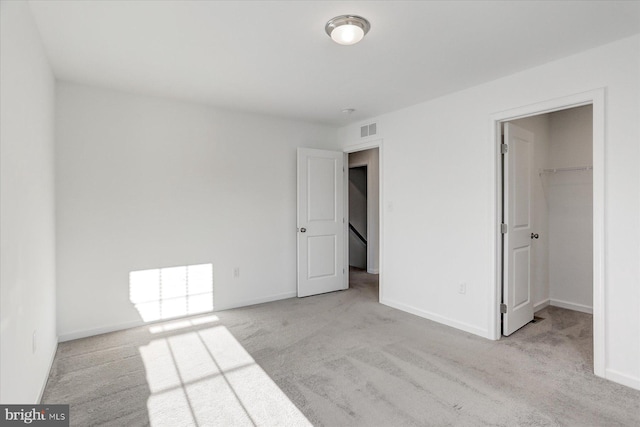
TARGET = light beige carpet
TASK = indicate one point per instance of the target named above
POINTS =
(337, 359)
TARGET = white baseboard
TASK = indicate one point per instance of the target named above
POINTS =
(255, 301)
(542, 304)
(373, 271)
(52, 357)
(571, 306)
(70, 336)
(436, 318)
(134, 324)
(623, 379)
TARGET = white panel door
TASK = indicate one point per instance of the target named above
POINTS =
(321, 226)
(516, 293)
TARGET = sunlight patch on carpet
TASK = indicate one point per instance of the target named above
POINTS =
(207, 378)
(182, 324)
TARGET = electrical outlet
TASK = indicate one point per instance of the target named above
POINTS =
(236, 273)
(462, 288)
(33, 342)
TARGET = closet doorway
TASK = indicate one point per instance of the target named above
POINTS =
(595, 99)
(547, 222)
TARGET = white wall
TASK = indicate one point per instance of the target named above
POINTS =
(539, 126)
(571, 209)
(145, 183)
(371, 159)
(442, 150)
(27, 233)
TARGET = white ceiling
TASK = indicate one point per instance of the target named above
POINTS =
(274, 57)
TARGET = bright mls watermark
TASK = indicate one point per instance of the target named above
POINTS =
(36, 415)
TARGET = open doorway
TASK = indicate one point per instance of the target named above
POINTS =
(358, 244)
(547, 216)
(364, 223)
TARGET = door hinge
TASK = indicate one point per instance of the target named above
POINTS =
(504, 228)
(503, 308)
(343, 271)
(504, 148)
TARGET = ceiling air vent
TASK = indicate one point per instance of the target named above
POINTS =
(368, 130)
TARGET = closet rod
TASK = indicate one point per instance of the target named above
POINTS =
(570, 169)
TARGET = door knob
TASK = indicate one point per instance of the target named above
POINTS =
(534, 236)
(303, 230)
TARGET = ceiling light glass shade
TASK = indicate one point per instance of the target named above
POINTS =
(347, 34)
(347, 29)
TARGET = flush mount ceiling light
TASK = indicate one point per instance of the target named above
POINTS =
(347, 29)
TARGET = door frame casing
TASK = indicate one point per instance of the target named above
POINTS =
(354, 148)
(596, 98)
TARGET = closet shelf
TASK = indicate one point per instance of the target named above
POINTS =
(569, 169)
